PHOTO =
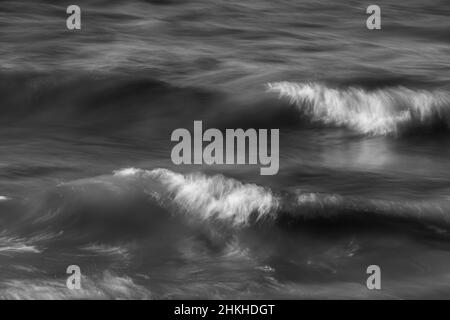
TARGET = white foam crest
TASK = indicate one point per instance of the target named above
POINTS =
(126, 172)
(377, 112)
(217, 197)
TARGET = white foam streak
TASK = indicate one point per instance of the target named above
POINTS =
(377, 112)
(114, 251)
(12, 245)
(107, 286)
(218, 197)
(213, 197)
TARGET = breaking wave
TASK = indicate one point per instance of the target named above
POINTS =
(387, 111)
(158, 197)
(217, 196)
(151, 105)
(197, 225)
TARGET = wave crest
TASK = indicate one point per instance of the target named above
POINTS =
(135, 203)
(215, 197)
(377, 112)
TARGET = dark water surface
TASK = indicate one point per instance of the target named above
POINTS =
(86, 176)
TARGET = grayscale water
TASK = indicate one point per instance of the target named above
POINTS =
(86, 176)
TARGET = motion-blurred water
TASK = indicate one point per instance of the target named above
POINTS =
(86, 118)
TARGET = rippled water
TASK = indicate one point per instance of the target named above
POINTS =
(364, 171)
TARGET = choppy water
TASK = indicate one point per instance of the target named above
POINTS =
(86, 176)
